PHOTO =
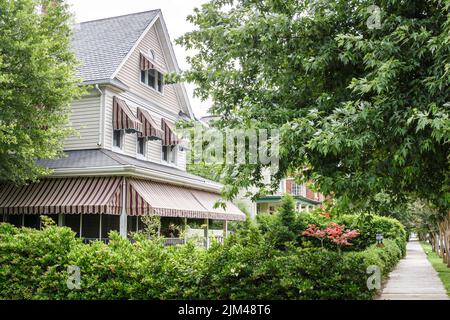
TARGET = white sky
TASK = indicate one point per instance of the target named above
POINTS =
(174, 12)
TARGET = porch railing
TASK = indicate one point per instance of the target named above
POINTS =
(201, 242)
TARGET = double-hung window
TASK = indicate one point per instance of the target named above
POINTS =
(118, 139)
(153, 78)
(169, 154)
(141, 147)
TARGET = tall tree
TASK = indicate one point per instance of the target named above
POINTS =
(37, 83)
(361, 92)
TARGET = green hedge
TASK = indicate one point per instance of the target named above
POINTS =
(367, 225)
(33, 265)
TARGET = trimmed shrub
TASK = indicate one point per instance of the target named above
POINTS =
(33, 263)
(249, 265)
(367, 225)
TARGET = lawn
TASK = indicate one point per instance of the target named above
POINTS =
(438, 265)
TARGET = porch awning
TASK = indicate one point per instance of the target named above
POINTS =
(65, 195)
(123, 117)
(149, 127)
(169, 138)
(103, 195)
(153, 198)
(148, 63)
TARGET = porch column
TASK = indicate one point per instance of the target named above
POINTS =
(100, 227)
(185, 230)
(60, 220)
(207, 233)
(81, 224)
(225, 229)
(159, 228)
(123, 215)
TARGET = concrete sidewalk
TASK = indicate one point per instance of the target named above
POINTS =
(414, 278)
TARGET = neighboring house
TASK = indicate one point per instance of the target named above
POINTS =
(127, 161)
(208, 120)
(305, 198)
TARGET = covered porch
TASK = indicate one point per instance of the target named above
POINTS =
(270, 204)
(94, 206)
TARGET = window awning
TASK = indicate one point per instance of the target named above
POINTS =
(65, 195)
(148, 63)
(153, 198)
(169, 138)
(123, 117)
(149, 127)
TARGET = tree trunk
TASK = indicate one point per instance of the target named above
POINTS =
(436, 241)
(432, 242)
(443, 229)
(447, 238)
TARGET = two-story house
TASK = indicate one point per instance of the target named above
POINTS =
(126, 162)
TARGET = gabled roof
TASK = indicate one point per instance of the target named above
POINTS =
(102, 45)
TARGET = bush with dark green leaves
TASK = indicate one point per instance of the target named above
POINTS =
(368, 225)
(249, 265)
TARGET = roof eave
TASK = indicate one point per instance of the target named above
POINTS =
(138, 172)
(111, 82)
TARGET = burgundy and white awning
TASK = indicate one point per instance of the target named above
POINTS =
(169, 138)
(104, 195)
(148, 63)
(63, 195)
(152, 198)
(149, 127)
(123, 117)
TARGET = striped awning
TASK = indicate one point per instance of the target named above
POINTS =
(149, 127)
(63, 195)
(103, 195)
(169, 138)
(152, 198)
(123, 117)
(148, 63)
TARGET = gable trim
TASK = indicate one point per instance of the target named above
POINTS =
(179, 88)
(138, 41)
(172, 63)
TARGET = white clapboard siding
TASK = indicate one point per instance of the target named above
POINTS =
(154, 151)
(84, 118)
(108, 128)
(130, 74)
(181, 160)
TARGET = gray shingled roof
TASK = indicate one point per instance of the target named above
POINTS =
(101, 45)
(105, 158)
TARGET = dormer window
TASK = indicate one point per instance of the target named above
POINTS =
(152, 73)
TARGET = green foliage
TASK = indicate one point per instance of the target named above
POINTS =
(37, 84)
(283, 229)
(368, 226)
(33, 265)
(151, 226)
(205, 170)
(363, 112)
(440, 267)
